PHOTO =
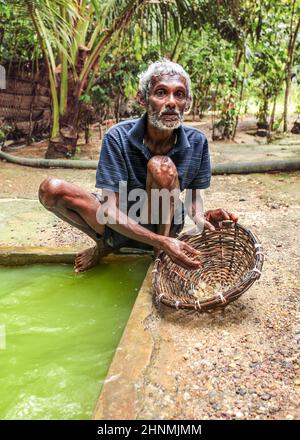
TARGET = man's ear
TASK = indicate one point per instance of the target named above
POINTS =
(140, 99)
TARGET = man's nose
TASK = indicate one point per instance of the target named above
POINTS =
(171, 101)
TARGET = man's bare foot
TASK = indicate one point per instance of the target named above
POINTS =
(90, 257)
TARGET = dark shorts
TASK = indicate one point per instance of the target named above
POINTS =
(117, 240)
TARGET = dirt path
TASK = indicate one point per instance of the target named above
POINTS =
(245, 135)
(241, 363)
(244, 362)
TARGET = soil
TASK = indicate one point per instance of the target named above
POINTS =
(246, 134)
(242, 363)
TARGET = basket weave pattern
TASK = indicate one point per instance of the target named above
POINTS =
(232, 260)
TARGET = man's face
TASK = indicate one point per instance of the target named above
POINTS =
(167, 101)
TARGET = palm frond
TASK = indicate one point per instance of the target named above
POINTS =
(49, 21)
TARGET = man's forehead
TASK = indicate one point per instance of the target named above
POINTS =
(168, 78)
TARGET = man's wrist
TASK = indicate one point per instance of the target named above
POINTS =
(159, 241)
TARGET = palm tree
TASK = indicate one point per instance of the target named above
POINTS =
(293, 34)
(74, 36)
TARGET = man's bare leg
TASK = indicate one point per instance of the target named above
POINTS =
(66, 201)
(87, 258)
(161, 173)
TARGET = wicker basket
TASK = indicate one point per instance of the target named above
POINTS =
(232, 260)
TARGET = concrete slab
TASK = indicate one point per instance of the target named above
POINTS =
(25, 222)
(119, 396)
(19, 256)
(243, 363)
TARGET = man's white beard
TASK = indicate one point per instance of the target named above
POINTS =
(155, 119)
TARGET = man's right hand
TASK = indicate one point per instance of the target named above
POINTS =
(181, 253)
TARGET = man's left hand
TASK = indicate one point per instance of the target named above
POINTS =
(214, 216)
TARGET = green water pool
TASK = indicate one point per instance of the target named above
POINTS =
(61, 332)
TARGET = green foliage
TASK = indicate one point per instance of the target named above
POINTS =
(232, 49)
(4, 131)
(298, 101)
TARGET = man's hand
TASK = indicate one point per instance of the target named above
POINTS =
(181, 253)
(212, 217)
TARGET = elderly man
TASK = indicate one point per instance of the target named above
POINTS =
(154, 152)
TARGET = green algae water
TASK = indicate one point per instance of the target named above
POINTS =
(61, 332)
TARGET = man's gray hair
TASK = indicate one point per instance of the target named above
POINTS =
(162, 67)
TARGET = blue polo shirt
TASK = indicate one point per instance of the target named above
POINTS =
(124, 157)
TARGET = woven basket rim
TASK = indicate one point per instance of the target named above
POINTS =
(217, 300)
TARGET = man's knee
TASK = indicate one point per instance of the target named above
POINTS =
(50, 191)
(163, 170)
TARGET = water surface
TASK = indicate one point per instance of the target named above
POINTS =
(61, 333)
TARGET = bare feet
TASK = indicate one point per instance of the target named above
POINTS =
(90, 257)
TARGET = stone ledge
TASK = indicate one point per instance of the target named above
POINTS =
(19, 256)
(118, 399)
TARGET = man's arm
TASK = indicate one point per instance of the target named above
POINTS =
(111, 170)
(179, 251)
(206, 219)
(195, 207)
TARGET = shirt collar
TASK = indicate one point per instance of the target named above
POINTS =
(137, 132)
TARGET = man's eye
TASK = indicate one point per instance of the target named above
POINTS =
(160, 92)
(180, 95)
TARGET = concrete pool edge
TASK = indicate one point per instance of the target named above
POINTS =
(25, 255)
(118, 399)
(19, 256)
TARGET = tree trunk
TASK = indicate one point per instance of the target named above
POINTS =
(203, 101)
(117, 107)
(240, 102)
(272, 118)
(286, 97)
(64, 145)
(289, 66)
(193, 110)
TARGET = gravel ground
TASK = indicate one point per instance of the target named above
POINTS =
(242, 363)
